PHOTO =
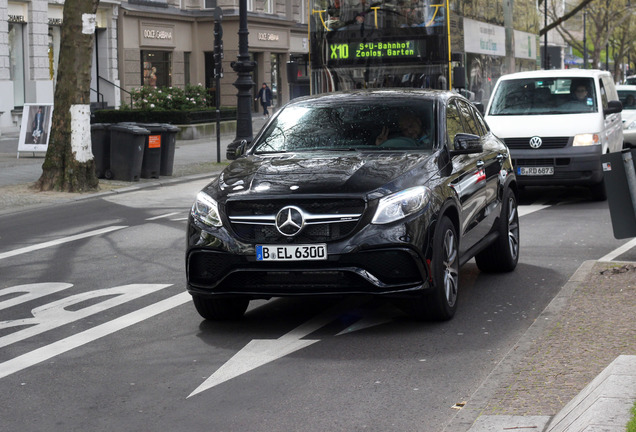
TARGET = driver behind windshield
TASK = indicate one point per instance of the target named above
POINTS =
(411, 133)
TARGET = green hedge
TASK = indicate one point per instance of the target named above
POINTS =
(162, 116)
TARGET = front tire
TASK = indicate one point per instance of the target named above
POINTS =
(503, 255)
(220, 309)
(445, 271)
(441, 303)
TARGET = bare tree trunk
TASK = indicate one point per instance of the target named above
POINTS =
(69, 165)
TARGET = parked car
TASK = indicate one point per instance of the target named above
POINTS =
(630, 80)
(627, 96)
(377, 192)
(557, 124)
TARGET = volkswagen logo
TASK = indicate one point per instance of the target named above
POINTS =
(535, 142)
(290, 221)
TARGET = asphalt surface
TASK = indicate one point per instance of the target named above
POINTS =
(574, 368)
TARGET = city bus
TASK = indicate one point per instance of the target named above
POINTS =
(390, 43)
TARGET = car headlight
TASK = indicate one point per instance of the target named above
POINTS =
(586, 140)
(206, 210)
(401, 204)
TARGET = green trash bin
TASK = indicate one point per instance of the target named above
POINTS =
(168, 145)
(100, 145)
(127, 143)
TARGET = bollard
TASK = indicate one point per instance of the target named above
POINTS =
(631, 176)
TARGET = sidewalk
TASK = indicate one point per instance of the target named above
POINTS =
(574, 369)
(192, 159)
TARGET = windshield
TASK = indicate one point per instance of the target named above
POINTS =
(539, 96)
(369, 124)
(628, 98)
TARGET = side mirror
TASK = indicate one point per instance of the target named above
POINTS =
(466, 144)
(480, 107)
(613, 107)
(235, 150)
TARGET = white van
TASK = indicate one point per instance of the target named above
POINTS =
(557, 124)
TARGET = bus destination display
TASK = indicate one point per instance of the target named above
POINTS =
(354, 52)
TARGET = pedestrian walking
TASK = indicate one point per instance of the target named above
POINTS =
(265, 95)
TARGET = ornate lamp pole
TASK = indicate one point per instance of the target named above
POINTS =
(243, 67)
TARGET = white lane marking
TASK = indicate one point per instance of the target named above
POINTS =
(55, 314)
(259, 352)
(527, 209)
(49, 351)
(179, 219)
(619, 251)
(59, 241)
(365, 323)
(163, 216)
(29, 292)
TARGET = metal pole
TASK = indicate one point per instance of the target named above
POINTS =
(243, 67)
(545, 35)
(585, 40)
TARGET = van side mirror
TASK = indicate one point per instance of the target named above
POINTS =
(613, 107)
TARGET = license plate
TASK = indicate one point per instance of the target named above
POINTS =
(535, 171)
(291, 252)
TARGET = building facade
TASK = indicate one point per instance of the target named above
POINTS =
(147, 42)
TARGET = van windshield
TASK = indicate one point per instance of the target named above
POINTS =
(544, 96)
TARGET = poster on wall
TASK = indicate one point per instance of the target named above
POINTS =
(35, 128)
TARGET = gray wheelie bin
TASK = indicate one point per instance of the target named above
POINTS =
(127, 142)
(100, 145)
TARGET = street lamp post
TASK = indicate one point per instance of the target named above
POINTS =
(243, 67)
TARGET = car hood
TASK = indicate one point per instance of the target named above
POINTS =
(323, 173)
(507, 126)
(628, 115)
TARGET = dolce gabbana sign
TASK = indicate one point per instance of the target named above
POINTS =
(156, 35)
(263, 36)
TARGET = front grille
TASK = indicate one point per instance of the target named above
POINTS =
(541, 162)
(548, 143)
(332, 219)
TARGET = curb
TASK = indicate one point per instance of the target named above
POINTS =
(464, 420)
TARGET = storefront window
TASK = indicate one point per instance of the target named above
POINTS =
(186, 68)
(156, 68)
(16, 60)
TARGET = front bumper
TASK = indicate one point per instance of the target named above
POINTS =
(573, 166)
(383, 261)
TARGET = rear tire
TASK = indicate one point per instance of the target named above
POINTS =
(220, 309)
(503, 255)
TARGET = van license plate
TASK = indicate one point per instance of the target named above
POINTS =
(535, 171)
(291, 252)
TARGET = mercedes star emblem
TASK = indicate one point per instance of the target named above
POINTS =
(290, 221)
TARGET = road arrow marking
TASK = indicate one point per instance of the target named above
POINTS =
(259, 352)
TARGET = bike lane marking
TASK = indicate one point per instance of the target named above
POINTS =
(59, 241)
(56, 348)
(58, 313)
